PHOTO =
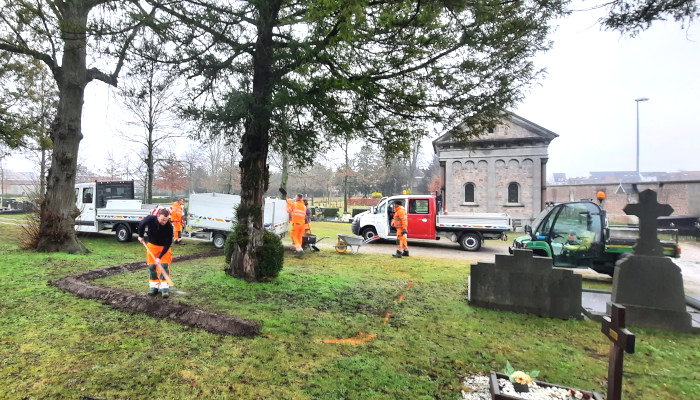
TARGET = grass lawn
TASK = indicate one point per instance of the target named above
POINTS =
(54, 345)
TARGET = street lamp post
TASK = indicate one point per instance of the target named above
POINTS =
(639, 176)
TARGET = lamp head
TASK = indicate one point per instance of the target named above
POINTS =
(641, 99)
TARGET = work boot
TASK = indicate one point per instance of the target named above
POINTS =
(405, 253)
(165, 294)
(153, 292)
(299, 253)
(397, 254)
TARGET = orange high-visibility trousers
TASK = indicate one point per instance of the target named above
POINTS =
(402, 240)
(297, 234)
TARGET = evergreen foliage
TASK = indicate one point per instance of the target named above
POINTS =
(270, 255)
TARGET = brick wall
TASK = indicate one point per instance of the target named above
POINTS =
(683, 196)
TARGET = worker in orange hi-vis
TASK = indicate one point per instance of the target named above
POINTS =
(176, 219)
(400, 222)
(158, 254)
(297, 213)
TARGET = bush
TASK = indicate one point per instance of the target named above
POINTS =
(270, 254)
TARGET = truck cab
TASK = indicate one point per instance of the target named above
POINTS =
(420, 211)
(572, 234)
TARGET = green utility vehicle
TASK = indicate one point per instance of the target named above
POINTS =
(576, 235)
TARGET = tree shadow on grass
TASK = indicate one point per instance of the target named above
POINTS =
(81, 286)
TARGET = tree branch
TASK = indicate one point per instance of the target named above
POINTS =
(47, 59)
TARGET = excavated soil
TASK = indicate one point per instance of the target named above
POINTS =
(81, 285)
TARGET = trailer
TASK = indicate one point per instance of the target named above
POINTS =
(109, 206)
(211, 216)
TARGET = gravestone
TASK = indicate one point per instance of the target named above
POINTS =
(526, 284)
(622, 341)
(647, 284)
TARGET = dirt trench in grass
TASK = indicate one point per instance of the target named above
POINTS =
(81, 285)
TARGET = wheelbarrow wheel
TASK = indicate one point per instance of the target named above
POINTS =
(341, 246)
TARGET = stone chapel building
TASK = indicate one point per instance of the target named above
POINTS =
(501, 171)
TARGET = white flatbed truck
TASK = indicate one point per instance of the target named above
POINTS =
(424, 222)
(211, 216)
(109, 206)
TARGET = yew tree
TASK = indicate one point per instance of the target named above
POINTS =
(76, 40)
(630, 17)
(373, 70)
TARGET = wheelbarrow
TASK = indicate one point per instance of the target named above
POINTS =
(308, 241)
(352, 241)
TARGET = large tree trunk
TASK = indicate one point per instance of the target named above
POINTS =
(255, 175)
(58, 211)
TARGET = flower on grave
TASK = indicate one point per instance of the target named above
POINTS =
(521, 377)
(579, 394)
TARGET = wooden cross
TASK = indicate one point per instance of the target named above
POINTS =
(648, 210)
(622, 341)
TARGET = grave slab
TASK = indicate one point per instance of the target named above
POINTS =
(527, 284)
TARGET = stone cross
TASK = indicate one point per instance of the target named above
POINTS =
(648, 210)
(622, 341)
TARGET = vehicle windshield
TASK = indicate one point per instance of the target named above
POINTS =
(536, 223)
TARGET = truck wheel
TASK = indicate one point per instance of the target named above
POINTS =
(470, 242)
(123, 233)
(219, 240)
(369, 233)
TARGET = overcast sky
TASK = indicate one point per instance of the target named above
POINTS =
(587, 98)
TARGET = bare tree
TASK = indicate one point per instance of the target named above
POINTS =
(114, 168)
(149, 96)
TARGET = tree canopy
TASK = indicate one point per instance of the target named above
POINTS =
(633, 16)
(288, 75)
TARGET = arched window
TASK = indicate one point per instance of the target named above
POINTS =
(469, 193)
(513, 192)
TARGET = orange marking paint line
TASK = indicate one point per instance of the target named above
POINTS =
(387, 318)
(400, 298)
(410, 283)
(267, 335)
(352, 340)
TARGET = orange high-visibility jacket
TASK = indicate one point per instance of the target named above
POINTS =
(176, 213)
(400, 218)
(297, 210)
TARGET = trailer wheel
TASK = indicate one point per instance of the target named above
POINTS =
(123, 233)
(470, 241)
(219, 240)
(369, 233)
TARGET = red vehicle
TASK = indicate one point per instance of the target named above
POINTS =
(424, 222)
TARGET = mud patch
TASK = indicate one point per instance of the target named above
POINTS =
(81, 286)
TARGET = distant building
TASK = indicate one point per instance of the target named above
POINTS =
(18, 184)
(501, 171)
